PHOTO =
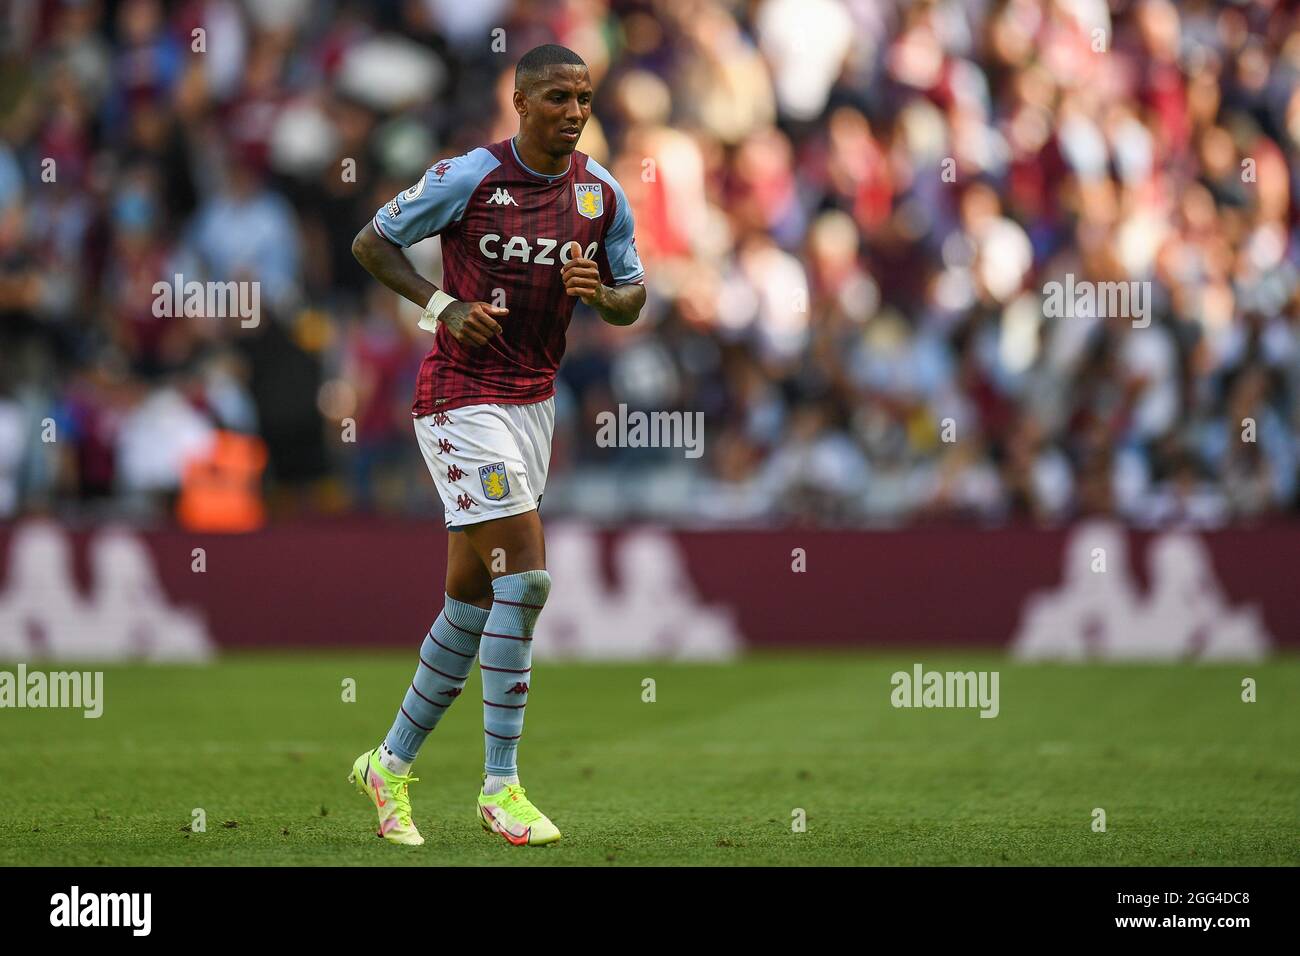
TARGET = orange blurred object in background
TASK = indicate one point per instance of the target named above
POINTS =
(222, 491)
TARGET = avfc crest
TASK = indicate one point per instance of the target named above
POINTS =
(495, 484)
(591, 200)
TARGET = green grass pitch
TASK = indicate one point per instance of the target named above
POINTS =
(711, 772)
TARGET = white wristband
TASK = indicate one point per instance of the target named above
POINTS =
(429, 318)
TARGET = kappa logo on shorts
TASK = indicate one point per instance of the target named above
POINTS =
(495, 484)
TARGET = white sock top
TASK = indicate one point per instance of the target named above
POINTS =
(393, 763)
(494, 784)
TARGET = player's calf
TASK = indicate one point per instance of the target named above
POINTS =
(505, 660)
(446, 658)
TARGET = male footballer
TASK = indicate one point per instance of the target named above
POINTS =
(529, 225)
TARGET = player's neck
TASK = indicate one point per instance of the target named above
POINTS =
(539, 161)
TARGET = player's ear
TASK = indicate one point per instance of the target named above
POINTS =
(521, 102)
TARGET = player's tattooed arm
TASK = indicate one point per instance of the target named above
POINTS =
(470, 322)
(386, 262)
(617, 305)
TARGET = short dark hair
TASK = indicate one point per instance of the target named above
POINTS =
(533, 64)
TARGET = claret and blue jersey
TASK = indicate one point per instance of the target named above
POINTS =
(506, 227)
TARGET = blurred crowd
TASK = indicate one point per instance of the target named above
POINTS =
(849, 212)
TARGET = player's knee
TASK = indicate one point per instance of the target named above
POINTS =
(473, 589)
(479, 598)
(537, 586)
(531, 587)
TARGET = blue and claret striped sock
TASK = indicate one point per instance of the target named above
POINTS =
(446, 658)
(505, 658)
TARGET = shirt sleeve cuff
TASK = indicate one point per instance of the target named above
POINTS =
(380, 229)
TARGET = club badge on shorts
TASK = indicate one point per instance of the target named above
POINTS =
(591, 201)
(495, 484)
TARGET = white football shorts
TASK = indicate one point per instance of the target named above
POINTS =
(488, 461)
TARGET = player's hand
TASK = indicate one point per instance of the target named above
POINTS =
(472, 323)
(581, 276)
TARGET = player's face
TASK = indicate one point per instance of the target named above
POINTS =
(558, 107)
